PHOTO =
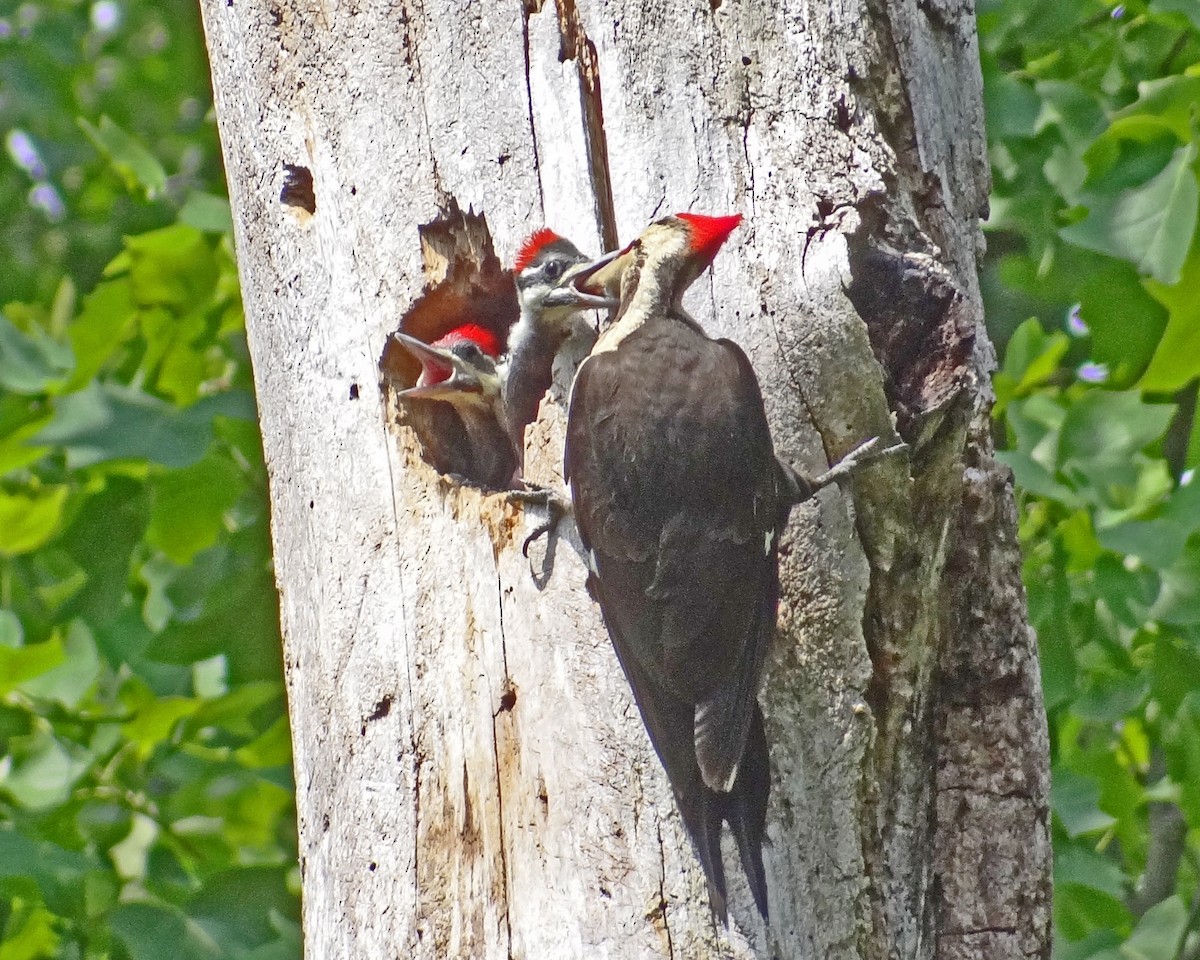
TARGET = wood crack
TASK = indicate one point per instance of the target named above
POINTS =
(499, 781)
(576, 46)
(537, 159)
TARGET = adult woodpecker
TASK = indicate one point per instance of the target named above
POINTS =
(679, 500)
(459, 369)
(550, 316)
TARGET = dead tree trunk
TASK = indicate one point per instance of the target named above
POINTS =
(472, 777)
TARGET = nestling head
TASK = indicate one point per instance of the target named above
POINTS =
(458, 366)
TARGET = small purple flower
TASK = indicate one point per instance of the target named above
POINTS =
(1118, 11)
(106, 16)
(1075, 325)
(44, 197)
(1187, 477)
(1092, 372)
(6, 30)
(25, 153)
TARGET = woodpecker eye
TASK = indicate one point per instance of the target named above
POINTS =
(554, 269)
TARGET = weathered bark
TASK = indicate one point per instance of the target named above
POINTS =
(472, 777)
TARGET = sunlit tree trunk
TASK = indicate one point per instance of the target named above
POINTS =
(472, 777)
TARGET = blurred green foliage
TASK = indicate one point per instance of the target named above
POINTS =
(104, 111)
(146, 801)
(1092, 286)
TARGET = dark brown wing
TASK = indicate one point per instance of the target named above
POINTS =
(673, 478)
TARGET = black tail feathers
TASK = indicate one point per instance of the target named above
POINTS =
(744, 808)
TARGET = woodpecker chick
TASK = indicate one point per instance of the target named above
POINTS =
(550, 317)
(459, 370)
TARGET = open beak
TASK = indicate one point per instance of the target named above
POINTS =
(579, 286)
(462, 378)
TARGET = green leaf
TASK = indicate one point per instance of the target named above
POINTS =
(136, 165)
(1158, 542)
(56, 871)
(1112, 699)
(1128, 594)
(68, 682)
(235, 906)
(155, 720)
(109, 422)
(1158, 933)
(1074, 109)
(1176, 361)
(102, 325)
(104, 823)
(29, 933)
(1033, 355)
(1125, 322)
(1097, 945)
(20, 664)
(1178, 600)
(1176, 667)
(1189, 8)
(207, 212)
(1079, 909)
(1012, 108)
(104, 534)
(1182, 747)
(1086, 867)
(12, 634)
(1032, 477)
(44, 770)
(189, 506)
(174, 267)
(152, 932)
(16, 451)
(272, 749)
(1102, 431)
(1150, 225)
(234, 710)
(31, 362)
(29, 521)
(1075, 800)
(1170, 101)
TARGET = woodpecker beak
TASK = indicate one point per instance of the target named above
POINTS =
(599, 282)
(569, 294)
(456, 376)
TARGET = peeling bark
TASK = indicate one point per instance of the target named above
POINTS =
(472, 776)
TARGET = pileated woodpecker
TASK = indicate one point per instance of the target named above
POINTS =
(550, 316)
(679, 500)
(459, 369)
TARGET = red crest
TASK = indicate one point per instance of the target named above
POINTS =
(488, 342)
(533, 246)
(708, 233)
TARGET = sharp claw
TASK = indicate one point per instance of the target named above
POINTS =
(861, 456)
(555, 506)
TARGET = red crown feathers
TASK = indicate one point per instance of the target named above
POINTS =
(488, 342)
(533, 246)
(708, 233)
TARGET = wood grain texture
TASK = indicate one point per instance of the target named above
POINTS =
(472, 776)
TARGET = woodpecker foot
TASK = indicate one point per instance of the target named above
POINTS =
(861, 456)
(554, 503)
